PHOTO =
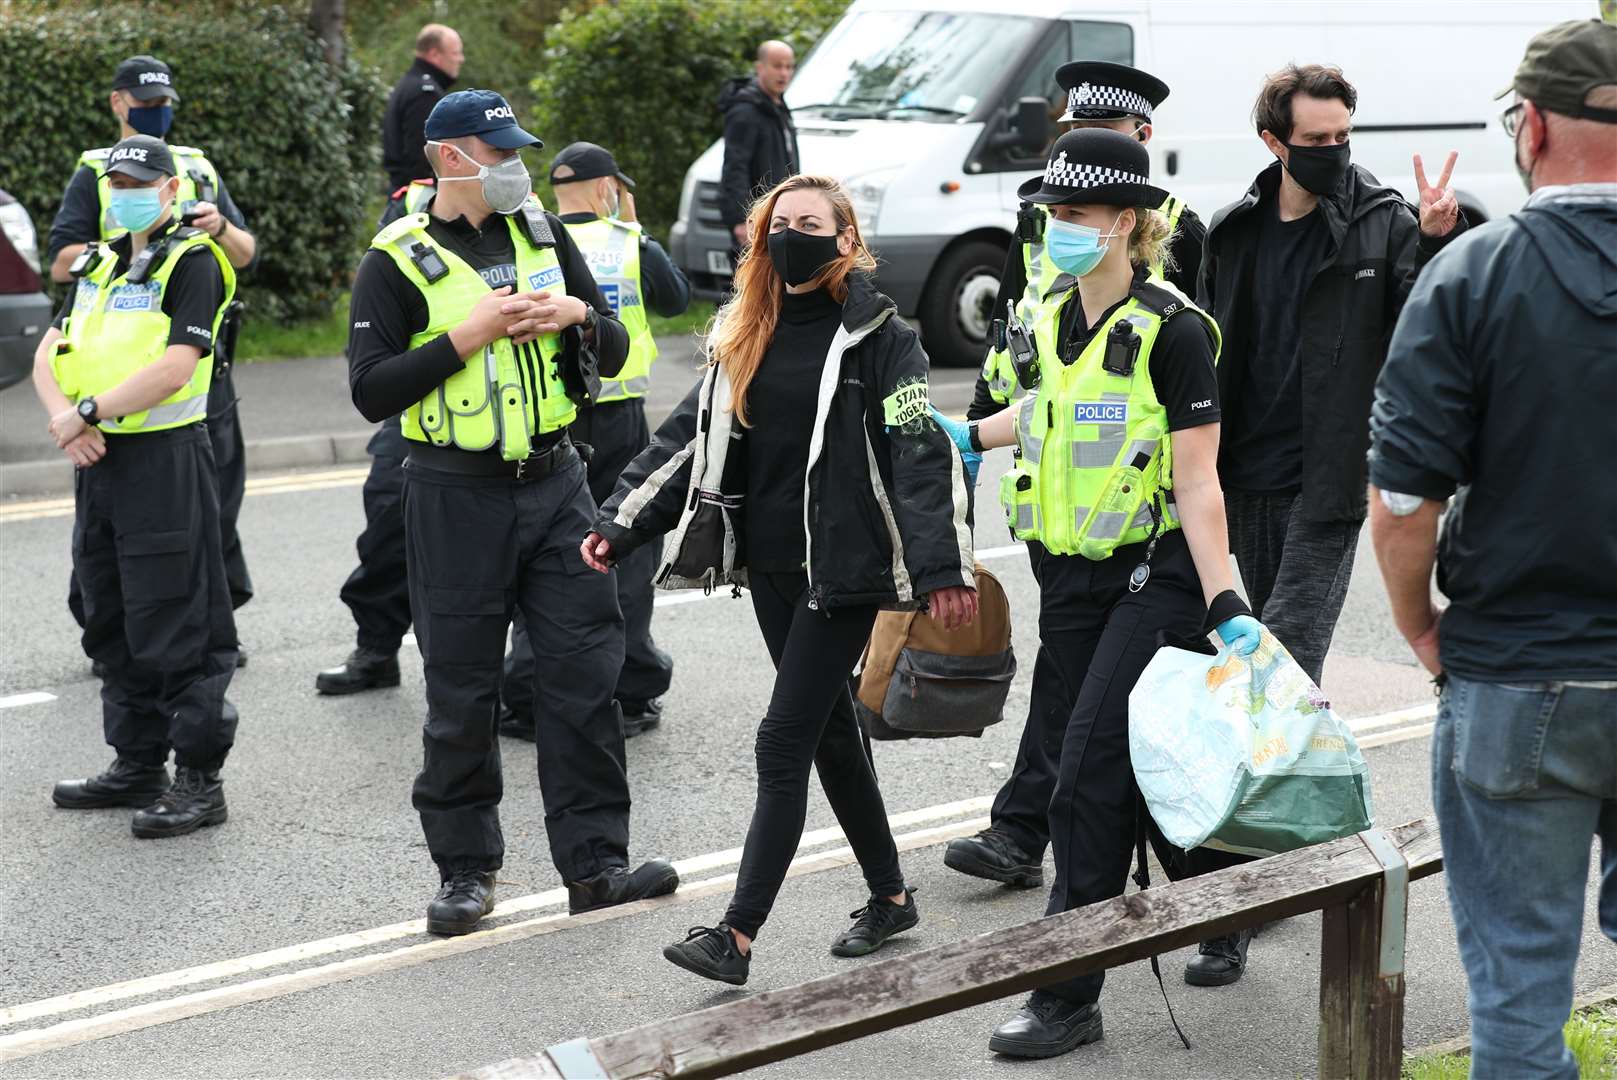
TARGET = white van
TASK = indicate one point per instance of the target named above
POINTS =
(922, 108)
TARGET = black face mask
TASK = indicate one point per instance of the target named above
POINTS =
(799, 256)
(1318, 169)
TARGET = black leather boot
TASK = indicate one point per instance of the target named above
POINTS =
(124, 783)
(640, 717)
(463, 899)
(1219, 962)
(993, 855)
(1046, 1027)
(619, 885)
(196, 800)
(364, 670)
(517, 727)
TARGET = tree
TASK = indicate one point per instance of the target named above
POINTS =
(326, 20)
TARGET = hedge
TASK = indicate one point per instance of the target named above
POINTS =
(294, 139)
(642, 78)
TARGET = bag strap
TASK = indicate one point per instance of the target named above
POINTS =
(1142, 878)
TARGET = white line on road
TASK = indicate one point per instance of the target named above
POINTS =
(33, 697)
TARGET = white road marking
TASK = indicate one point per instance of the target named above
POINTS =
(33, 697)
(280, 484)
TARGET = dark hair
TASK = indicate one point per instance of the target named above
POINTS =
(1272, 112)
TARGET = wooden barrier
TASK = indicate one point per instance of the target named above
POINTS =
(1360, 883)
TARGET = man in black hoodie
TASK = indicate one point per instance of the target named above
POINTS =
(760, 140)
(1306, 275)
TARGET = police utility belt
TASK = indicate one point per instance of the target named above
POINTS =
(539, 465)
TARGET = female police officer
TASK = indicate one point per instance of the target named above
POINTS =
(1117, 478)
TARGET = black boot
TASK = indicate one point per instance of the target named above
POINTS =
(877, 921)
(1046, 1027)
(463, 898)
(125, 783)
(993, 855)
(640, 717)
(619, 885)
(1219, 962)
(196, 799)
(517, 727)
(711, 952)
(365, 670)
(241, 655)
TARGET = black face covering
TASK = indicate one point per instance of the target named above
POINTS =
(799, 256)
(1318, 169)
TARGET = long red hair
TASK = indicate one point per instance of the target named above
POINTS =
(742, 328)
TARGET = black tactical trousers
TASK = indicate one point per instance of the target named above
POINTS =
(617, 432)
(377, 592)
(230, 465)
(156, 603)
(480, 548)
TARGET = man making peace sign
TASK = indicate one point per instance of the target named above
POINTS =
(1306, 276)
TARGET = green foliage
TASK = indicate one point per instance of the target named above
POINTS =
(1591, 1035)
(642, 78)
(294, 139)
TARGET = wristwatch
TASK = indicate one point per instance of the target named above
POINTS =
(590, 318)
(88, 412)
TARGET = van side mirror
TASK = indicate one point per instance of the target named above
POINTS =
(1028, 128)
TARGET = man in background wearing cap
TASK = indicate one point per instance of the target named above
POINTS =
(143, 98)
(124, 374)
(1306, 275)
(481, 322)
(1499, 390)
(596, 203)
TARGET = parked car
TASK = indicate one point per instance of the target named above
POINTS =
(25, 310)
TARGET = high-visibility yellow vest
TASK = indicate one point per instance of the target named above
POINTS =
(117, 327)
(506, 394)
(1094, 469)
(1044, 279)
(199, 181)
(612, 249)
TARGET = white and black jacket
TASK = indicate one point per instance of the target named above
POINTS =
(885, 501)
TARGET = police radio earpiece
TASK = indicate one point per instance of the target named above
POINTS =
(1122, 349)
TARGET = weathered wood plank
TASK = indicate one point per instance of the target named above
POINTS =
(1350, 946)
(533, 1068)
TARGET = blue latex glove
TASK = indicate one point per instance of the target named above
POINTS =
(1241, 634)
(974, 462)
(959, 431)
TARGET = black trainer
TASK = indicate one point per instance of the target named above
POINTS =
(364, 670)
(1047, 1027)
(195, 800)
(993, 855)
(463, 898)
(619, 885)
(124, 783)
(874, 923)
(711, 952)
(517, 727)
(640, 717)
(1219, 962)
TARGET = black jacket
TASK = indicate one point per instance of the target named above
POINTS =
(1349, 310)
(886, 491)
(760, 146)
(1502, 383)
(404, 140)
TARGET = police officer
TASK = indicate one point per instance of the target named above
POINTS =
(124, 373)
(595, 200)
(439, 55)
(480, 321)
(1117, 479)
(1099, 95)
(143, 99)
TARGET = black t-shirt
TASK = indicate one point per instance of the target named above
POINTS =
(1181, 364)
(191, 298)
(387, 376)
(1265, 452)
(781, 404)
(79, 219)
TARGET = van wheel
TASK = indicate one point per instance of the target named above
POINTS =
(959, 304)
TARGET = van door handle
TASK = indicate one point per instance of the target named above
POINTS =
(1173, 163)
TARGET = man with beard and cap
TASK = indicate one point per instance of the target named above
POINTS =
(480, 321)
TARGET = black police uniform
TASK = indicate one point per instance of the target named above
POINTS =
(404, 143)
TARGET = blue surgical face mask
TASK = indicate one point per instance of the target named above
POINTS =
(153, 120)
(1076, 249)
(137, 209)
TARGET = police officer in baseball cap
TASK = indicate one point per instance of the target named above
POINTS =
(480, 321)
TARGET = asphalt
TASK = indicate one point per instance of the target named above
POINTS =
(322, 842)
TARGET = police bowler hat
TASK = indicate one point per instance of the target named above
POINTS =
(1095, 165)
(478, 112)
(146, 77)
(1097, 90)
(142, 158)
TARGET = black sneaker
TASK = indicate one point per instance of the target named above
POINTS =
(1221, 961)
(711, 952)
(463, 899)
(124, 783)
(993, 855)
(877, 921)
(363, 670)
(640, 717)
(196, 800)
(620, 885)
(1047, 1027)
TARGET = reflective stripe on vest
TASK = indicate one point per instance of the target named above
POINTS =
(509, 393)
(199, 181)
(1098, 443)
(612, 248)
(117, 328)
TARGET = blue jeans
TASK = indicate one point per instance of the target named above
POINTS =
(1523, 776)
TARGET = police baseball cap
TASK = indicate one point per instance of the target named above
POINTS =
(1095, 165)
(1564, 63)
(141, 157)
(1097, 90)
(585, 161)
(146, 77)
(478, 112)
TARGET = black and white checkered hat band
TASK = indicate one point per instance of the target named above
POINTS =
(1065, 174)
(1090, 96)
